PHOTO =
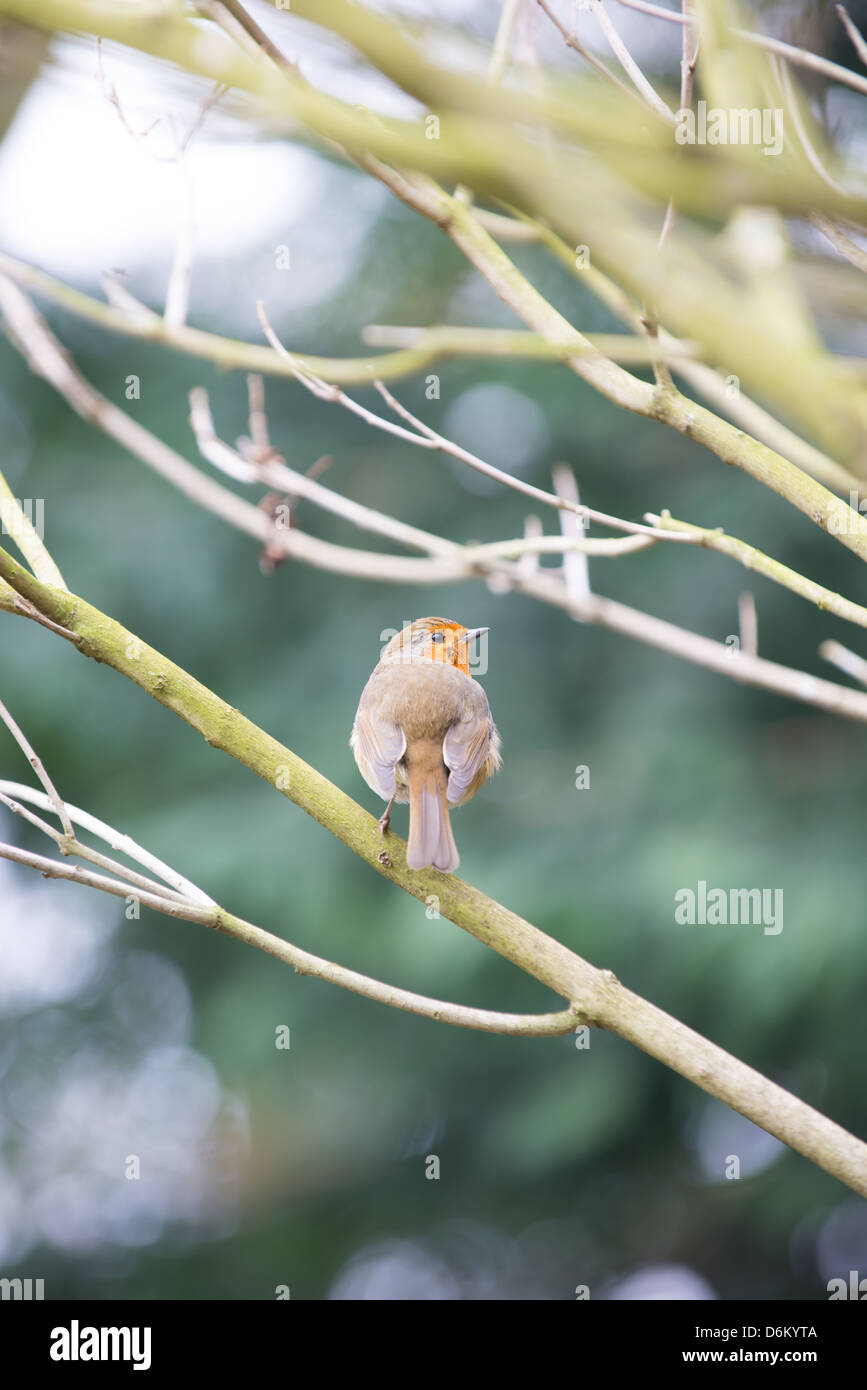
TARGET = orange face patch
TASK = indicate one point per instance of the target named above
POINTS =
(447, 643)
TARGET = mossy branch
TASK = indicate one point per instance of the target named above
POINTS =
(595, 996)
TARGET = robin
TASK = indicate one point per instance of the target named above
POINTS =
(423, 733)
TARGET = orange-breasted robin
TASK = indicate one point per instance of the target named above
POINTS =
(423, 733)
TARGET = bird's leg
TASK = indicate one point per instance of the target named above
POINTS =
(385, 819)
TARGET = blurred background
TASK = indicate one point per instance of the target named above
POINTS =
(305, 1168)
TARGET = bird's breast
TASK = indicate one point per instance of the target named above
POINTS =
(424, 697)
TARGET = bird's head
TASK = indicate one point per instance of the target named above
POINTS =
(434, 639)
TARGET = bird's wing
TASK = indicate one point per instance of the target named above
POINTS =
(466, 746)
(378, 745)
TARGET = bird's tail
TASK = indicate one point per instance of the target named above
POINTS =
(431, 841)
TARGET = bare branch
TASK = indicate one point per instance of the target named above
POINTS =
(174, 884)
(753, 559)
(857, 39)
(629, 65)
(259, 433)
(714, 385)
(748, 623)
(805, 58)
(427, 438)
(276, 474)
(448, 339)
(196, 906)
(572, 41)
(658, 11)
(501, 47)
(850, 250)
(18, 525)
(242, 27)
(801, 57)
(576, 571)
(11, 602)
(178, 288)
(799, 121)
(844, 660)
(688, 60)
(57, 802)
(529, 564)
(48, 359)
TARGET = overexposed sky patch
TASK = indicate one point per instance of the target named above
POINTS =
(79, 195)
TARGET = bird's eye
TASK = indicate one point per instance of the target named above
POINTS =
(438, 637)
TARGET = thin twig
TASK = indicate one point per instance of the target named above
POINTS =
(241, 26)
(506, 342)
(712, 384)
(447, 446)
(178, 287)
(629, 65)
(259, 433)
(52, 868)
(220, 454)
(229, 353)
(688, 60)
(825, 599)
(119, 297)
(658, 11)
(11, 602)
(805, 58)
(174, 884)
(801, 57)
(276, 474)
(57, 802)
(528, 564)
(17, 524)
(303, 962)
(109, 92)
(427, 438)
(75, 849)
(572, 41)
(505, 228)
(799, 121)
(19, 810)
(850, 250)
(393, 567)
(49, 360)
(576, 571)
(748, 623)
(56, 365)
(844, 660)
(856, 37)
(502, 44)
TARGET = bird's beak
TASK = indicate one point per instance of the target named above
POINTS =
(476, 632)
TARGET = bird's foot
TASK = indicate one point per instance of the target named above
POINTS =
(385, 820)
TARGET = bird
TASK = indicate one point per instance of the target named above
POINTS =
(423, 733)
